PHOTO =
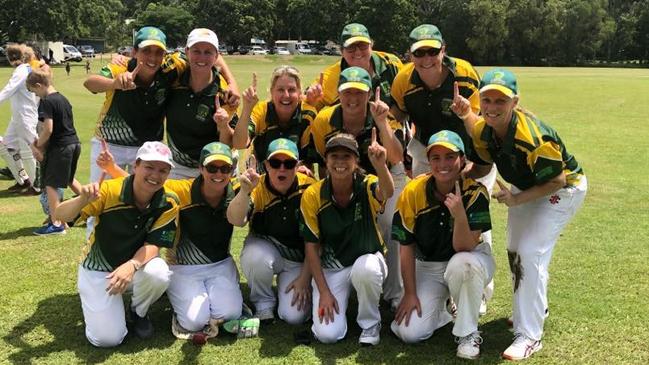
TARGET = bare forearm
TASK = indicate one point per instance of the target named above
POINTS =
(69, 209)
(225, 135)
(386, 184)
(99, 84)
(145, 253)
(240, 138)
(463, 238)
(391, 144)
(237, 212)
(539, 191)
(312, 252)
(225, 71)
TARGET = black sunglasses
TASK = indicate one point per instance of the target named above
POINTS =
(430, 51)
(213, 169)
(358, 45)
(276, 164)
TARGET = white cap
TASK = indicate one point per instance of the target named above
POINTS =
(154, 151)
(202, 35)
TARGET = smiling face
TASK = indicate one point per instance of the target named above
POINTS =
(354, 100)
(341, 163)
(358, 54)
(427, 62)
(216, 175)
(285, 94)
(497, 108)
(445, 164)
(202, 57)
(281, 178)
(150, 58)
(149, 176)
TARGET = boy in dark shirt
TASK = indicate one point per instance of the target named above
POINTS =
(57, 145)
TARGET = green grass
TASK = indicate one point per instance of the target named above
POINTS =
(599, 286)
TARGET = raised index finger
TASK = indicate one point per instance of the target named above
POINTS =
(254, 80)
(458, 192)
(456, 90)
(217, 102)
(321, 81)
(377, 94)
(104, 145)
(373, 135)
(136, 69)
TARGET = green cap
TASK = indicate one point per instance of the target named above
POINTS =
(354, 77)
(448, 139)
(216, 151)
(283, 146)
(426, 35)
(150, 36)
(353, 33)
(501, 80)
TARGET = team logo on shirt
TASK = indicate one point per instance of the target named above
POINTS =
(446, 107)
(202, 112)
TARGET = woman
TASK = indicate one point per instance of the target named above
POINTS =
(343, 243)
(359, 116)
(285, 115)
(548, 187)
(135, 217)
(197, 113)
(274, 246)
(439, 221)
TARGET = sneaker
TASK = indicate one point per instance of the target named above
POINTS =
(468, 347)
(29, 191)
(17, 187)
(142, 326)
(50, 229)
(265, 315)
(371, 336)
(483, 306)
(522, 348)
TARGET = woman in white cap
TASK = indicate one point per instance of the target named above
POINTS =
(547, 188)
(135, 217)
(439, 220)
(344, 247)
(197, 112)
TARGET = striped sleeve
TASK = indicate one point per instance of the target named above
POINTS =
(163, 231)
(476, 201)
(403, 222)
(546, 162)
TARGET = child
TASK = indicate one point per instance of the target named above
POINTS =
(67, 68)
(57, 145)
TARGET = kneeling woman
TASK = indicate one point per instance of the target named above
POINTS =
(438, 222)
(342, 241)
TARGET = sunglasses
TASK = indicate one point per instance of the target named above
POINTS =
(430, 51)
(213, 169)
(358, 45)
(276, 164)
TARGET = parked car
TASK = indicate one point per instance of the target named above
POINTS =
(71, 53)
(258, 50)
(282, 51)
(87, 51)
(243, 49)
(223, 49)
(125, 51)
(303, 48)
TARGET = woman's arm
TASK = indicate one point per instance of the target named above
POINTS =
(464, 239)
(122, 276)
(328, 303)
(410, 300)
(240, 138)
(69, 209)
(507, 197)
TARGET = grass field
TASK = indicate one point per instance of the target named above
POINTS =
(599, 288)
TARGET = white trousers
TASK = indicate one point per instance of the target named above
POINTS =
(393, 286)
(366, 275)
(19, 158)
(464, 276)
(104, 313)
(533, 229)
(260, 261)
(200, 292)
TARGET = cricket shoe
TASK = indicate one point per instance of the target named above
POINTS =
(522, 348)
(468, 347)
(371, 336)
(50, 230)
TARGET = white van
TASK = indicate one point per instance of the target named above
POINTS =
(70, 53)
(303, 48)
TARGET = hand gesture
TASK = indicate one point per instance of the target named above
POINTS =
(250, 98)
(105, 160)
(120, 60)
(460, 106)
(315, 93)
(38, 154)
(326, 307)
(126, 80)
(305, 170)
(505, 195)
(454, 201)
(376, 153)
(90, 192)
(378, 108)
(120, 278)
(301, 293)
(221, 116)
(249, 178)
(232, 98)
(409, 303)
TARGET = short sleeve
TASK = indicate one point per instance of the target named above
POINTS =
(45, 110)
(477, 209)
(163, 230)
(546, 162)
(403, 222)
(309, 205)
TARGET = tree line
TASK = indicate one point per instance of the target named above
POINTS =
(507, 32)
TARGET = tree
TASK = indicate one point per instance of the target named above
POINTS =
(174, 20)
(489, 30)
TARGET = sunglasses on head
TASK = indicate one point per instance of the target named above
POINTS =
(276, 164)
(430, 51)
(358, 45)
(213, 169)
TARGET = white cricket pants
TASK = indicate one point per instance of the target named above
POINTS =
(464, 276)
(533, 229)
(104, 313)
(366, 275)
(260, 261)
(200, 292)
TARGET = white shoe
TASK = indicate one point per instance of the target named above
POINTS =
(522, 348)
(469, 346)
(371, 336)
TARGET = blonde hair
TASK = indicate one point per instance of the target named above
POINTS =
(285, 70)
(20, 52)
(39, 77)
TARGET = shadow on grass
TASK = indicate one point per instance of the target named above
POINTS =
(21, 232)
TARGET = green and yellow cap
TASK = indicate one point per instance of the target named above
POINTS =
(216, 151)
(150, 36)
(426, 35)
(499, 79)
(448, 139)
(283, 146)
(354, 32)
(356, 78)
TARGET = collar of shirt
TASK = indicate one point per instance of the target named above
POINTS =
(272, 118)
(506, 146)
(128, 197)
(210, 89)
(327, 192)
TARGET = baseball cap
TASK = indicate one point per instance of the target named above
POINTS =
(154, 151)
(448, 139)
(426, 35)
(150, 36)
(499, 79)
(354, 32)
(342, 140)
(354, 77)
(283, 146)
(202, 35)
(216, 151)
